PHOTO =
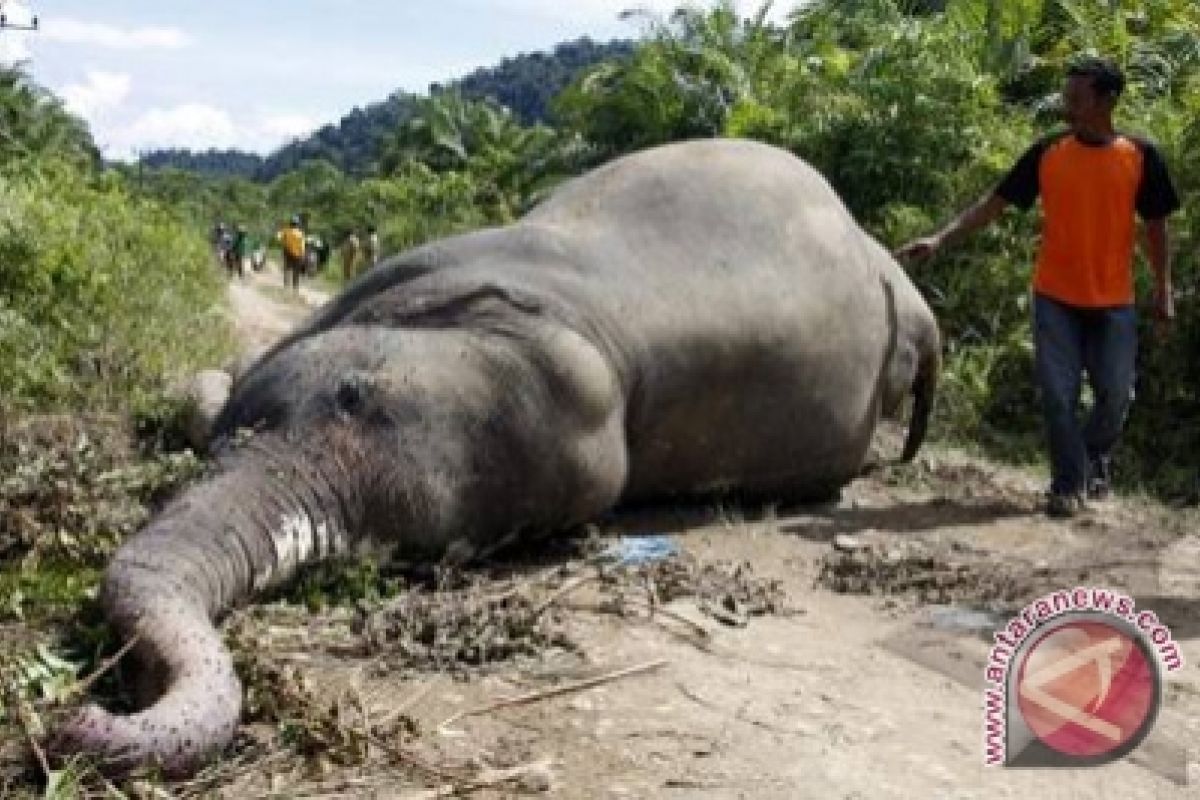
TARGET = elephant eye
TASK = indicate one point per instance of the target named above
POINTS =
(349, 396)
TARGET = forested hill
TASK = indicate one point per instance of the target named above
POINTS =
(527, 83)
(209, 162)
(524, 83)
(350, 145)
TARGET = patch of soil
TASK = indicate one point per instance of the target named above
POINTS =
(264, 309)
(307, 716)
(928, 577)
(728, 592)
(458, 630)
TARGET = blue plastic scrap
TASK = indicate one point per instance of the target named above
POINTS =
(635, 550)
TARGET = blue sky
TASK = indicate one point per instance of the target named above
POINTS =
(254, 74)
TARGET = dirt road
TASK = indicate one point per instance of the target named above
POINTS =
(861, 677)
(264, 308)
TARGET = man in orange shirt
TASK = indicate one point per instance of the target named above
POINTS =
(1092, 180)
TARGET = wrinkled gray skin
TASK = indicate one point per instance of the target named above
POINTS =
(697, 318)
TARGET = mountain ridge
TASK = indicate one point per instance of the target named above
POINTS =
(525, 84)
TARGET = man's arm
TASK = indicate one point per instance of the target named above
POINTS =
(981, 214)
(1156, 200)
(1158, 253)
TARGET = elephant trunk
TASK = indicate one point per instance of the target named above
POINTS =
(247, 529)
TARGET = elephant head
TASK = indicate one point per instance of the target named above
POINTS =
(381, 437)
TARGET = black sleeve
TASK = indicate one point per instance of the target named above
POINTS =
(1021, 186)
(1156, 197)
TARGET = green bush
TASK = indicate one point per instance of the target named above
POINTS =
(103, 299)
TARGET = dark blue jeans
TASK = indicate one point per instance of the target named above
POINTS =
(1069, 341)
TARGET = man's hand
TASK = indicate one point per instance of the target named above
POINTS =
(1164, 311)
(979, 215)
(1158, 253)
(919, 249)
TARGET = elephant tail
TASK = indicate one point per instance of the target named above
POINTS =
(923, 389)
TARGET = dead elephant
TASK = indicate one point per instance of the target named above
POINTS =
(696, 318)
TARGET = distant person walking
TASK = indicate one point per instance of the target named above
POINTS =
(370, 248)
(291, 239)
(350, 251)
(1092, 181)
(220, 241)
(235, 257)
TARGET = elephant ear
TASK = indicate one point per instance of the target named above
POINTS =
(446, 305)
(574, 367)
(577, 371)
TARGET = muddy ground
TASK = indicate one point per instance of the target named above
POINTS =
(763, 681)
(824, 652)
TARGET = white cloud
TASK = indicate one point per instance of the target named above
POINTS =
(194, 125)
(68, 30)
(198, 126)
(608, 10)
(281, 127)
(101, 92)
(14, 44)
(590, 8)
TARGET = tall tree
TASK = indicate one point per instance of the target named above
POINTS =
(35, 125)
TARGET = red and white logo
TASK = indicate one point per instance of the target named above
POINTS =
(1087, 689)
(1075, 680)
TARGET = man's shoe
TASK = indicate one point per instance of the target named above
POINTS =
(1064, 506)
(1099, 478)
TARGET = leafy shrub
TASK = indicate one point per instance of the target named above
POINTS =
(103, 299)
(72, 487)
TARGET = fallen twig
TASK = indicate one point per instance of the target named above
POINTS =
(364, 715)
(700, 631)
(533, 697)
(38, 752)
(338, 788)
(690, 783)
(695, 698)
(28, 725)
(669, 614)
(516, 586)
(411, 759)
(227, 773)
(488, 779)
(563, 591)
(390, 716)
(83, 684)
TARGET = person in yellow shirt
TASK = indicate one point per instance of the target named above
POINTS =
(291, 238)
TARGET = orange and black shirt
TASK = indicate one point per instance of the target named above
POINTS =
(1090, 193)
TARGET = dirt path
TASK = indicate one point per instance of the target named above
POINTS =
(264, 308)
(831, 694)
